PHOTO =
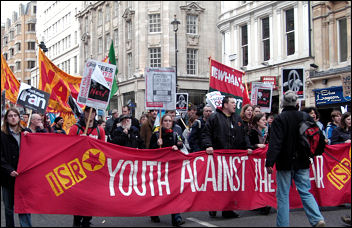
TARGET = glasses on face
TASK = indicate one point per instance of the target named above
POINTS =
(12, 115)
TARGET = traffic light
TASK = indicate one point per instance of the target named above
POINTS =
(43, 47)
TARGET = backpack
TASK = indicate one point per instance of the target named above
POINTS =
(311, 138)
(80, 128)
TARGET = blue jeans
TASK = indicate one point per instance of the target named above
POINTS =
(301, 178)
(8, 198)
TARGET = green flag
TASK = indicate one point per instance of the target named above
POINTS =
(111, 59)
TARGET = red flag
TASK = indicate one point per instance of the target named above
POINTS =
(9, 82)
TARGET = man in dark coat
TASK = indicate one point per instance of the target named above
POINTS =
(225, 130)
(291, 162)
(195, 137)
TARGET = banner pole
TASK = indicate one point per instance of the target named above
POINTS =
(87, 124)
(160, 125)
(209, 71)
(29, 118)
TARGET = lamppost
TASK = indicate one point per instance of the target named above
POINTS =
(175, 24)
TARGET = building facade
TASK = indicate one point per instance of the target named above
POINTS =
(58, 28)
(143, 37)
(19, 41)
(262, 38)
(331, 77)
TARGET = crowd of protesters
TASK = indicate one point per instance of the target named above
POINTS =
(198, 130)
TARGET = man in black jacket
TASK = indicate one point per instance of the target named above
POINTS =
(225, 130)
(10, 149)
(291, 162)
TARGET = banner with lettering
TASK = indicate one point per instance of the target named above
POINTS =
(9, 82)
(89, 177)
(228, 81)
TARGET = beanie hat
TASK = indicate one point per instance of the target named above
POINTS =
(289, 99)
(57, 119)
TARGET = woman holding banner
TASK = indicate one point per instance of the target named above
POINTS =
(167, 138)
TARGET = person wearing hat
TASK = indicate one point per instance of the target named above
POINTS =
(124, 134)
(110, 122)
(291, 162)
(57, 128)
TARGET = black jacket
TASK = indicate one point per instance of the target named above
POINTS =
(283, 143)
(169, 139)
(339, 135)
(10, 152)
(222, 132)
(195, 137)
(132, 139)
(255, 137)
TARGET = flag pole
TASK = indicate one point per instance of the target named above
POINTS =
(87, 124)
(160, 127)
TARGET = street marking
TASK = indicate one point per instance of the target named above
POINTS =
(201, 222)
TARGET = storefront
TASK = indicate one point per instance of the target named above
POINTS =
(329, 99)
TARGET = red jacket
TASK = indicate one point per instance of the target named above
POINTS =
(79, 127)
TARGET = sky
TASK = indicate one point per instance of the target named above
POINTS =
(7, 7)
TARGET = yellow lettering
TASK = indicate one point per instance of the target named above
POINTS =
(65, 177)
(54, 184)
(77, 170)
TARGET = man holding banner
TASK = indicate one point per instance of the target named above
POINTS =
(225, 130)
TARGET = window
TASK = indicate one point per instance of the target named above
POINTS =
(12, 35)
(116, 8)
(31, 45)
(192, 61)
(34, 9)
(100, 45)
(154, 23)
(244, 45)
(129, 64)
(290, 32)
(266, 38)
(75, 64)
(18, 47)
(5, 56)
(30, 64)
(107, 13)
(18, 29)
(107, 41)
(129, 30)
(192, 25)
(11, 52)
(100, 17)
(155, 57)
(342, 40)
(31, 27)
(18, 65)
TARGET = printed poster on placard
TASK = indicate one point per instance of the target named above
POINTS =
(262, 95)
(33, 98)
(160, 91)
(96, 84)
(182, 102)
(293, 79)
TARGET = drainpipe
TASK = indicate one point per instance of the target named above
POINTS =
(309, 31)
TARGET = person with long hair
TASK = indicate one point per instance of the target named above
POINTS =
(10, 149)
(246, 116)
(342, 134)
(169, 138)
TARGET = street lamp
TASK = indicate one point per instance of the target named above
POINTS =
(175, 24)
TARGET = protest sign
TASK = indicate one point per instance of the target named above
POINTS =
(214, 99)
(261, 94)
(293, 79)
(95, 178)
(160, 88)
(181, 102)
(96, 84)
(32, 98)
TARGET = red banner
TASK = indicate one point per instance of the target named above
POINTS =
(81, 175)
(228, 81)
(9, 82)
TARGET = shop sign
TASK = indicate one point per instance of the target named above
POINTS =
(270, 80)
(330, 95)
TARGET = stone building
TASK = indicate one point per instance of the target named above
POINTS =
(143, 37)
(19, 41)
(329, 81)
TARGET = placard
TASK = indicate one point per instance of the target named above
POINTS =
(262, 95)
(32, 98)
(293, 79)
(182, 102)
(160, 91)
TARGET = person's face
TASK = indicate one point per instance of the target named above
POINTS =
(207, 112)
(172, 114)
(270, 120)
(231, 105)
(125, 111)
(337, 119)
(25, 118)
(313, 115)
(115, 115)
(103, 124)
(143, 120)
(126, 121)
(167, 122)
(36, 120)
(191, 113)
(348, 121)
(60, 122)
(12, 118)
(248, 113)
(262, 122)
(92, 116)
(256, 111)
(153, 114)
